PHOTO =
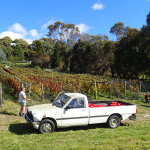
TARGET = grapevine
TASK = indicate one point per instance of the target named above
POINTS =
(52, 81)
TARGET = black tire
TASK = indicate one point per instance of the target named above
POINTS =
(46, 126)
(113, 121)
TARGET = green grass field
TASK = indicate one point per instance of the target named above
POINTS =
(16, 134)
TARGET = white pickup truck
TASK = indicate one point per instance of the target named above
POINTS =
(73, 109)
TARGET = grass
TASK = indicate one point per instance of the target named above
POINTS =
(16, 134)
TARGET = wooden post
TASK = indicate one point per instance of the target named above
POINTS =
(1, 97)
(125, 87)
(140, 86)
(42, 93)
(95, 91)
(79, 88)
(109, 89)
(61, 86)
(30, 91)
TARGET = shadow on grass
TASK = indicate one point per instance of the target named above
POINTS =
(25, 128)
(91, 126)
(7, 113)
(145, 105)
(22, 128)
(77, 128)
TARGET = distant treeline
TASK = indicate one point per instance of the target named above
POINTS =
(65, 48)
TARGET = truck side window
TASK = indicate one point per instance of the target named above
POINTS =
(77, 103)
(81, 102)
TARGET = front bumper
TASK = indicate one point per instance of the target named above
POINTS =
(30, 121)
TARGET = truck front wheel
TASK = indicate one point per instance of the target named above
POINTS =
(113, 121)
(46, 126)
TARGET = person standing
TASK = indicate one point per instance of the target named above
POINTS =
(22, 101)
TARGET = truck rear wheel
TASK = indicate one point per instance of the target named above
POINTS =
(113, 121)
(46, 126)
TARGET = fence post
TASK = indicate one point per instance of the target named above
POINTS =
(95, 91)
(125, 87)
(42, 93)
(79, 88)
(61, 86)
(140, 86)
(30, 91)
(1, 96)
(109, 89)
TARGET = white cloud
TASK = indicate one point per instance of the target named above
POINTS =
(83, 28)
(98, 6)
(17, 31)
(11, 34)
(34, 33)
(29, 41)
(18, 28)
(44, 26)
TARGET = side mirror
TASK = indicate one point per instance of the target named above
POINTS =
(67, 107)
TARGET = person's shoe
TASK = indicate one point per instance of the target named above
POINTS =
(19, 113)
(23, 114)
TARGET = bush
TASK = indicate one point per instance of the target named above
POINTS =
(37, 68)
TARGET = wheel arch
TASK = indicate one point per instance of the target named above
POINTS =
(52, 119)
(117, 114)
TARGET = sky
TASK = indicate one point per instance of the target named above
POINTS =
(29, 19)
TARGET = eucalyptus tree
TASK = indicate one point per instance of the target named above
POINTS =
(38, 46)
(61, 31)
(145, 46)
(5, 44)
(118, 29)
(128, 55)
(2, 55)
(148, 19)
(93, 57)
(48, 44)
(56, 55)
(24, 45)
(18, 53)
(38, 55)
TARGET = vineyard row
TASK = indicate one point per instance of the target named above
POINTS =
(52, 81)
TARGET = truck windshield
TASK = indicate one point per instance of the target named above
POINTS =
(61, 100)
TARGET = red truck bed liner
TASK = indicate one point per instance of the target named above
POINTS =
(105, 105)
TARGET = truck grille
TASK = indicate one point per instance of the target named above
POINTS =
(30, 115)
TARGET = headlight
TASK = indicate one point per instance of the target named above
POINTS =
(36, 117)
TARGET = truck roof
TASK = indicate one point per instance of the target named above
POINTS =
(75, 95)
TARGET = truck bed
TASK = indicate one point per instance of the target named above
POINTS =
(107, 104)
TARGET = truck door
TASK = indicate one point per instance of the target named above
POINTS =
(75, 113)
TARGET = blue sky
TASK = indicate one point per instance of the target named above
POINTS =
(28, 19)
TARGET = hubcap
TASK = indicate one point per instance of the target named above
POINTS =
(46, 127)
(114, 122)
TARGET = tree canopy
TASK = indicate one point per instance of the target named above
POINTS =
(68, 49)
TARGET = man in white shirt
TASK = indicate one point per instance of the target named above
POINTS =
(22, 101)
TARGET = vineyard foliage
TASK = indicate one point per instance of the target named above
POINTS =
(53, 82)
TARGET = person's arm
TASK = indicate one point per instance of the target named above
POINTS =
(26, 98)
